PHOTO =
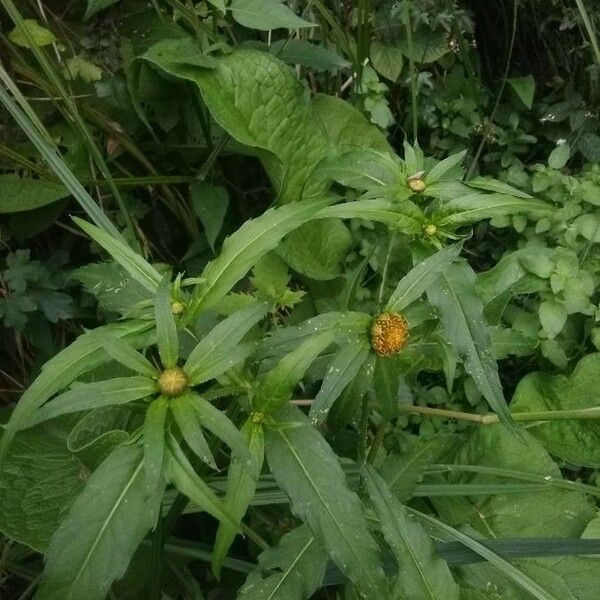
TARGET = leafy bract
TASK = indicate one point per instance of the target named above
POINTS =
(107, 522)
(422, 574)
(577, 440)
(309, 472)
(291, 571)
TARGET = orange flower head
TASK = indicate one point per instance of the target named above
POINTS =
(173, 382)
(389, 334)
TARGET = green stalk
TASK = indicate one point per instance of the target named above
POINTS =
(593, 38)
(411, 63)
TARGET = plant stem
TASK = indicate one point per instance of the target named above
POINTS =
(411, 62)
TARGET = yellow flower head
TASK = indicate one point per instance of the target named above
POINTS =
(389, 333)
(173, 382)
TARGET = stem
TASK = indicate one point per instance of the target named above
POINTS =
(411, 62)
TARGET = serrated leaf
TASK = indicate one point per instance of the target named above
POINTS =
(461, 314)
(86, 396)
(245, 247)
(266, 14)
(576, 441)
(276, 389)
(342, 370)
(309, 472)
(40, 480)
(423, 575)
(132, 262)
(242, 479)
(154, 441)
(415, 283)
(291, 571)
(166, 329)
(18, 194)
(105, 525)
(317, 249)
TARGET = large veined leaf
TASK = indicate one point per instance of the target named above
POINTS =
(258, 100)
(475, 207)
(309, 472)
(415, 283)
(291, 571)
(576, 441)
(342, 370)
(422, 574)
(84, 354)
(266, 14)
(242, 480)
(246, 246)
(40, 480)
(105, 525)
(18, 194)
(461, 314)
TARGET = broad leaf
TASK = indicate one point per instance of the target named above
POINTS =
(94, 6)
(179, 57)
(423, 575)
(210, 203)
(107, 522)
(242, 480)
(293, 570)
(461, 314)
(302, 52)
(309, 472)
(17, 194)
(524, 88)
(266, 14)
(415, 283)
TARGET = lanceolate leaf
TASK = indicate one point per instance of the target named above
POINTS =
(422, 574)
(242, 480)
(341, 372)
(122, 352)
(133, 263)
(277, 387)
(291, 571)
(415, 283)
(461, 314)
(166, 329)
(94, 545)
(154, 441)
(85, 396)
(309, 472)
(441, 168)
(246, 246)
(84, 354)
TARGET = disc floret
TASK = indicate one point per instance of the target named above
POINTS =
(389, 334)
(173, 382)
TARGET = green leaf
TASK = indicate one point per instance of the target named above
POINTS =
(18, 194)
(154, 441)
(242, 479)
(107, 522)
(524, 88)
(589, 146)
(210, 203)
(441, 168)
(293, 570)
(416, 282)
(189, 426)
(265, 15)
(245, 247)
(302, 52)
(476, 207)
(578, 440)
(403, 216)
(122, 352)
(493, 185)
(40, 480)
(276, 389)
(179, 57)
(553, 316)
(427, 46)
(166, 329)
(347, 127)
(30, 33)
(342, 370)
(95, 6)
(317, 249)
(133, 263)
(259, 101)
(559, 156)
(461, 314)
(387, 60)
(85, 396)
(309, 472)
(215, 348)
(423, 575)
(181, 473)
